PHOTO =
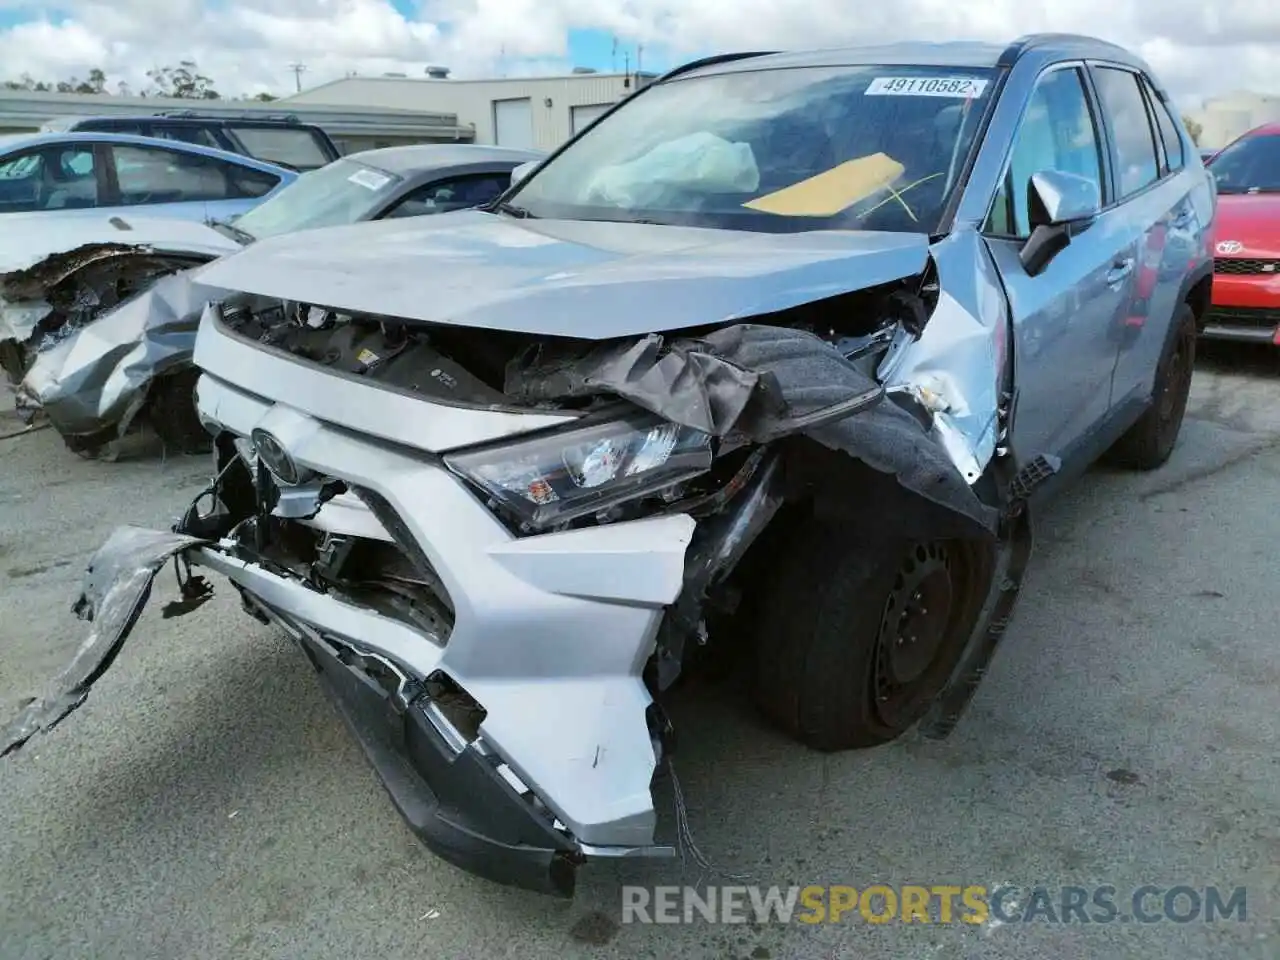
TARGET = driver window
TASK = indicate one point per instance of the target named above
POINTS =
(1057, 133)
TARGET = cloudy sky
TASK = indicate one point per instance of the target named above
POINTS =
(1199, 47)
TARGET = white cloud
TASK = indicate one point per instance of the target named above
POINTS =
(1198, 48)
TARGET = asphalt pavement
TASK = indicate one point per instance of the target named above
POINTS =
(207, 802)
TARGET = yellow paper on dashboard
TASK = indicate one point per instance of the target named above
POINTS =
(827, 193)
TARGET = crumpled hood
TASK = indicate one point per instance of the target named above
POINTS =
(28, 239)
(585, 279)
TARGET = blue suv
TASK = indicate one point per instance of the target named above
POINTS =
(775, 358)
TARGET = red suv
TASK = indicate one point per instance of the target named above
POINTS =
(1246, 266)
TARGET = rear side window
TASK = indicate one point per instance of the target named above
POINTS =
(295, 147)
(1135, 146)
(150, 175)
(1174, 154)
(186, 133)
(111, 126)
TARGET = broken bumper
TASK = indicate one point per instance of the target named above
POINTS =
(460, 793)
(455, 801)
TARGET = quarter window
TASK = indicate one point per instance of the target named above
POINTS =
(1135, 147)
(1174, 152)
(1057, 133)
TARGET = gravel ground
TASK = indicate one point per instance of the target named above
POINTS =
(207, 802)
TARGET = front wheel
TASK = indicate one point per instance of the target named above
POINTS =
(856, 642)
(1149, 442)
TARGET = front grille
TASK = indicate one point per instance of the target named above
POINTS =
(1259, 318)
(1239, 266)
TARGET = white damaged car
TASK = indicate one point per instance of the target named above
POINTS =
(776, 358)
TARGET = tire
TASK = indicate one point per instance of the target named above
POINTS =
(171, 409)
(1148, 444)
(835, 668)
(14, 361)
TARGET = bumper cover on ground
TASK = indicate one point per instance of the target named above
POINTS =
(456, 802)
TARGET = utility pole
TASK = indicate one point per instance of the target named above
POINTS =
(639, 55)
(298, 69)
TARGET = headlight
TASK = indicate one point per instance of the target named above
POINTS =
(559, 476)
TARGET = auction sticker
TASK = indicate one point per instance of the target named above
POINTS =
(369, 180)
(964, 88)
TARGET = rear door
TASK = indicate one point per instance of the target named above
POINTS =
(1161, 220)
(1062, 317)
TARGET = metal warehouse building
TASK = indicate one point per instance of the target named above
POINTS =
(538, 112)
(1226, 117)
(352, 128)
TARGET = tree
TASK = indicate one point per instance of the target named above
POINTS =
(1193, 129)
(183, 82)
(96, 83)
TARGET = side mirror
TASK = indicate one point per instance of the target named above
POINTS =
(1056, 202)
(1055, 198)
(522, 171)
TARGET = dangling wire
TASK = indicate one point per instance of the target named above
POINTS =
(685, 844)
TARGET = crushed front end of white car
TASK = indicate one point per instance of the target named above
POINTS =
(94, 316)
(499, 509)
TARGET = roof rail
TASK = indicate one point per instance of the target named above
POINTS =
(712, 61)
(1030, 41)
(196, 115)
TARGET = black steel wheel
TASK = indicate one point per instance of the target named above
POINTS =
(855, 640)
(1149, 443)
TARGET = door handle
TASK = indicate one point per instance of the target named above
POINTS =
(1119, 270)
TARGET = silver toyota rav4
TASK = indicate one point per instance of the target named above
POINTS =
(777, 356)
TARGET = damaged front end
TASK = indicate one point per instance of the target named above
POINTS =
(499, 549)
(86, 331)
(92, 383)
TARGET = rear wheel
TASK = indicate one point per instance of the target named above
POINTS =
(171, 409)
(855, 643)
(1149, 442)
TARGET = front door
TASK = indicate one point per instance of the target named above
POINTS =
(1064, 317)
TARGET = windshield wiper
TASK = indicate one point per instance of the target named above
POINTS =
(511, 210)
(241, 236)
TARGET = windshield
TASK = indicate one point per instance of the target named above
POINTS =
(847, 148)
(343, 192)
(1248, 166)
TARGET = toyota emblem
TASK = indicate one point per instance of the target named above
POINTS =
(1230, 246)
